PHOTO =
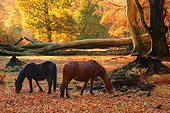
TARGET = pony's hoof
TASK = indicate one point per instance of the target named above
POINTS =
(41, 90)
(61, 96)
(30, 91)
(67, 96)
(92, 93)
(54, 90)
(48, 92)
(81, 94)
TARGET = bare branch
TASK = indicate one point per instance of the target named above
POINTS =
(18, 41)
(26, 38)
(141, 13)
(165, 9)
(4, 45)
(15, 53)
(121, 6)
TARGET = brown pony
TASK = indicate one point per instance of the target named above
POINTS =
(84, 71)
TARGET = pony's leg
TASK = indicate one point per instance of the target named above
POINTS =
(91, 88)
(64, 86)
(54, 82)
(82, 90)
(62, 89)
(30, 83)
(67, 95)
(49, 85)
(38, 85)
(54, 85)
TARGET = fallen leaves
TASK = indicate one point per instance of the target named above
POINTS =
(99, 102)
(3, 77)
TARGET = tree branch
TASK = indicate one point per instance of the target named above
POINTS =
(116, 5)
(26, 38)
(141, 13)
(4, 45)
(15, 53)
(18, 41)
(165, 9)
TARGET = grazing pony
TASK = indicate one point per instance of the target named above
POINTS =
(38, 72)
(84, 71)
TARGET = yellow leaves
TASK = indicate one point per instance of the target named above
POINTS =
(59, 12)
(45, 17)
(118, 31)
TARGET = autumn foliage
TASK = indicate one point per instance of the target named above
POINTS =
(61, 20)
(100, 102)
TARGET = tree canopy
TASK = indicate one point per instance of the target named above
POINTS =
(47, 18)
(68, 20)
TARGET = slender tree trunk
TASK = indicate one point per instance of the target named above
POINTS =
(132, 11)
(49, 34)
(48, 26)
(159, 45)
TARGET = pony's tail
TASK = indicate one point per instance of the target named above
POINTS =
(62, 81)
(54, 73)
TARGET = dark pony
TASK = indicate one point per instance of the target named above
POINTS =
(84, 71)
(38, 72)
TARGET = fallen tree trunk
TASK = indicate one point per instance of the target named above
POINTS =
(40, 48)
(15, 53)
(86, 44)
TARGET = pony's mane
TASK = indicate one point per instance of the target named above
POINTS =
(24, 70)
(21, 75)
(102, 70)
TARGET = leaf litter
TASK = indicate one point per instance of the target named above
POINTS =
(99, 102)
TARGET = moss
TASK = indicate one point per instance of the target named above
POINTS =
(124, 69)
(12, 69)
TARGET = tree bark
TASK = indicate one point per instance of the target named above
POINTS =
(86, 44)
(138, 43)
(159, 45)
(38, 48)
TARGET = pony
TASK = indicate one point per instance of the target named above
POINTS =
(38, 72)
(83, 72)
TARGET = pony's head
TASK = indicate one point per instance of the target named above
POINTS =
(18, 86)
(105, 77)
(108, 83)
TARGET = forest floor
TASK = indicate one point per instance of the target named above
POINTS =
(98, 103)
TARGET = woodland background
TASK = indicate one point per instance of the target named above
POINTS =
(66, 20)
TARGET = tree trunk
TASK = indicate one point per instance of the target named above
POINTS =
(138, 43)
(86, 44)
(142, 67)
(38, 48)
(159, 44)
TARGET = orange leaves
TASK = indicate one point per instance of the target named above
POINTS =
(100, 102)
(161, 79)
(114, 15)
(9, 20)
